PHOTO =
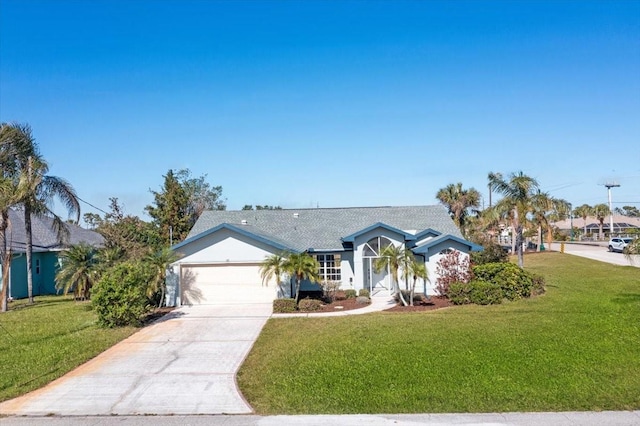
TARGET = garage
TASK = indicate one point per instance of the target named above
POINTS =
(207, 284)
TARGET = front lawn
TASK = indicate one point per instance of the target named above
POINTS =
(41, 342)
(575, 348)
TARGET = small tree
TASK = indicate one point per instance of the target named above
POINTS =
(396, 259)
(419, 271)
(78, 271)
(301, 266)
(453, 267)
(158, 263)
(273, 267)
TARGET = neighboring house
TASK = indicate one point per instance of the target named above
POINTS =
(46, 249)
(221, 256)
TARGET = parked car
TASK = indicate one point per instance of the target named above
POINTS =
(618, 244)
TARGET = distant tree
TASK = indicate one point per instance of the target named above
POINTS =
(247, 207)
(601, 212)
(459, 201)
(518, 192)
(301, 266)
(583, 211)
(629, 211)
(258, 207)
(180, 202)
(125, 234)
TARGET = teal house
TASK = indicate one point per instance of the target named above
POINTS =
(46, 248)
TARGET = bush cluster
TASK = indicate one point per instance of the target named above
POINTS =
(309, 305)
(478, 292)
(119, 298)
(492, 253)
(284, 306)
(364, 292)
(514, 281)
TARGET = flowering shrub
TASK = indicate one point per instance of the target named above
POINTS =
(454, 267)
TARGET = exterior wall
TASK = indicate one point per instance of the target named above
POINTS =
(433, 256)
(43, 282)
(225, 246)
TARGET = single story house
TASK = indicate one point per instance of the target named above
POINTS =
(221, 256)
(46, 249)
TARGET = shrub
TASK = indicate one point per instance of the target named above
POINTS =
(363, 300)
(538, 286)
(364, 292)
(492, 253)
(350, 293)
(119, 298)
(485, 293)
(459, 293)
(452, 267)
(309, 305)
(284, 306)
(330, 289)
(515, 282)
(340, 295)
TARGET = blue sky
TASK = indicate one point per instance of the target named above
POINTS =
(330, 103)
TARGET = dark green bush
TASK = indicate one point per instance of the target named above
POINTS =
(485, 293)
(119, 298)
(364, 292)
(350, 293)
(492, 253)
(283, 306)
(459, 293)
(309, 305)
(514, 281)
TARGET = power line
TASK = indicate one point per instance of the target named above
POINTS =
(88, 203)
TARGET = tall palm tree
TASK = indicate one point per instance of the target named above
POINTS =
(459, 201)
(601, 211)
(42, 191)
(518, 192)
(583, 211)
(395, 259)
(302, 266)
(546, 210)
(491, 177)
(78, 271)
(273, 267)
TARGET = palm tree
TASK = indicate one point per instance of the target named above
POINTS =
(601, 211)
(419, 271)
(159, 262)
(459, 201)
(395, 259)
(42, 190)
(584, 211)
(273, 267)
(78, 271)
(301, 266)
(518, 193)
(491, 177)
(547, 209)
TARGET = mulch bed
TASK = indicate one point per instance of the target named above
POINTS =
(339, 306)
(435, 302)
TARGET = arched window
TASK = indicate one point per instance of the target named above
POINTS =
(374, 246)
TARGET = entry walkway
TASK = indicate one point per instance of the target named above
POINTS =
(379, 302)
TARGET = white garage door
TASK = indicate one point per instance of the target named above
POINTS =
(227, 283)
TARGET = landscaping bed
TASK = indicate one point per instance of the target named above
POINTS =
(434, 302)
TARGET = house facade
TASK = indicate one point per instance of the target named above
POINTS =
(46, 250)
(221, 256)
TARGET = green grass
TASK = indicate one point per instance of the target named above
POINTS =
(575, 348)
(41, 342)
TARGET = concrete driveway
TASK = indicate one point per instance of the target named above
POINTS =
(183, 364)
(598, 252)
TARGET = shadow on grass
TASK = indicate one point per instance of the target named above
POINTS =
(626, 298)
(46, 301)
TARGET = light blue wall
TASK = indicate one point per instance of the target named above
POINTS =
(43, 282)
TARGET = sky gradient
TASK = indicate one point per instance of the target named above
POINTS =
(331, 104)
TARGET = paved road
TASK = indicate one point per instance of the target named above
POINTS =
(597, 252)
(183, 364)
(610, 418)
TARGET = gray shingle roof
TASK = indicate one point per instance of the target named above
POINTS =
(322, 229)
(44, 236)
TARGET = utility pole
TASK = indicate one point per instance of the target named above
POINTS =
(610, 185)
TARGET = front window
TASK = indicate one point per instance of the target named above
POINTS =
(329, 267)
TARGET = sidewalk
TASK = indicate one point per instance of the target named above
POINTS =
(378, 303)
